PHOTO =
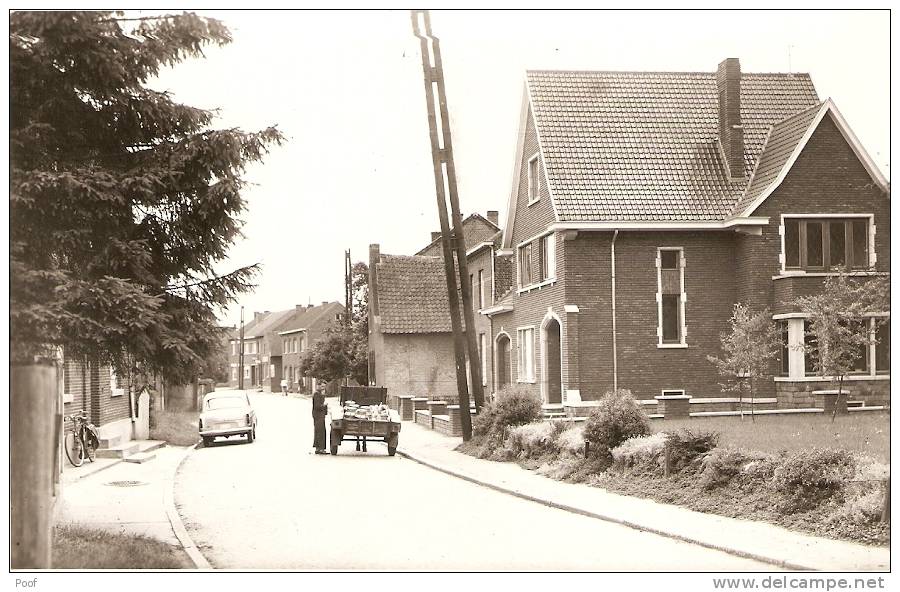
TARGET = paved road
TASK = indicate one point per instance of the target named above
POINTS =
(274, 504)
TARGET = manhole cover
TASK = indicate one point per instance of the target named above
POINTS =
(125, 483)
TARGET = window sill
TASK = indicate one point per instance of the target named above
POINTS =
(531, 287)
(68, 398)
(671, 346)
(793, 273)
(851, 377)
(522, 381)
(116, 392)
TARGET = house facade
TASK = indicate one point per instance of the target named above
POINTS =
(411, 349)
(636, 226)
(295, 335)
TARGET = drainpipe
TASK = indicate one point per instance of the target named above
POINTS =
(612, 265)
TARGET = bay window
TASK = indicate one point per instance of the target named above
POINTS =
(819, 244)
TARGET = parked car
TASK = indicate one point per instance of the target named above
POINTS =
(226, 414)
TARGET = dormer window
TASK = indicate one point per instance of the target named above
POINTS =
(820, 244)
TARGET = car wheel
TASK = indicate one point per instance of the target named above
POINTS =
(251, 436)
(207, 441)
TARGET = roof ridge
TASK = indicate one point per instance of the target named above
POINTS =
(657, 72)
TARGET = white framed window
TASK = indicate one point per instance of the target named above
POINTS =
(534, 181)
(482, 354)
(234, 375)
(548, 257)
(525, 346)
(524, 260)
(235, 348)
(481, 288)
(671, 329)
(114, 389)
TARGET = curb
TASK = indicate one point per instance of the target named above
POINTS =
(606, 518)
(181, 533)
(94, 472)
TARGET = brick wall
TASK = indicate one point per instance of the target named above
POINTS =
(89, 385)
(533, 219)
(417, 364)
(481, 261)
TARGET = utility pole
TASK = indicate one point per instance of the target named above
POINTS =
(348, 289)
(443, 160)
(439, 156)
(241, 354)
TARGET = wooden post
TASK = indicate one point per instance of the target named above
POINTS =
(438, 156)
(33, 401)
(667, 466)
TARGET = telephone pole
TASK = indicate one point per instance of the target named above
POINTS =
(443, 162)
(241, 354)
(348, 289)
(441, 156)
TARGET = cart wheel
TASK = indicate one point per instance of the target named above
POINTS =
(335, 441)
(392, 444)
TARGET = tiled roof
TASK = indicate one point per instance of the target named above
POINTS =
(308, 317)
(269, 322)
(475, 233)
(643, 145)
(779, 146)
(412, 295)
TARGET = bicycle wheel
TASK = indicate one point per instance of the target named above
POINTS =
(74, 449)
(87, 446)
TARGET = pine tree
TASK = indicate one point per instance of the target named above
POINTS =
(122, 201)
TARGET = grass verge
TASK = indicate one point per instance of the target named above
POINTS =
(867, 434)
(178, 428)
(77, 547)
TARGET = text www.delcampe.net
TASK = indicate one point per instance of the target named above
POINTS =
(798, 583)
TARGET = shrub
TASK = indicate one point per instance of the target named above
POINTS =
(686, 447)
(534, 440)
(514, 405)
(615, 420)
(809, 477)
(720, 465)
(640, 454)
(571, 442)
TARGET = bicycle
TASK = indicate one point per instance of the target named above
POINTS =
(82, 442)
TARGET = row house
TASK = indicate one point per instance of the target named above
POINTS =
(273, 343)
(644, 205)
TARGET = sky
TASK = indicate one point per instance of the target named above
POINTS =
(346, 89)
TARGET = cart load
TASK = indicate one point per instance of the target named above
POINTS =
(364, 416)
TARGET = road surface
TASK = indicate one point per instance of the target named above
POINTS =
(274, 504)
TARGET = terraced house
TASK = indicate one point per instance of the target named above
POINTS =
(644, 205)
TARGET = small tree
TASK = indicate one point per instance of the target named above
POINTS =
(329, 358)
(838, 324)
(748, 350)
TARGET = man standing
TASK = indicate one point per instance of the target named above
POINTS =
(284, 385)
(319, 409)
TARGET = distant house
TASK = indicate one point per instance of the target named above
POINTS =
(410, 339)
(297, 333)
(646, 204)
(273, 342)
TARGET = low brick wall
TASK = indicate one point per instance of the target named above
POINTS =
(423, 418)
(799, 395)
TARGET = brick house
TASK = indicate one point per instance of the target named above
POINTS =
(645, 204)
(297, 333)
(410, 339)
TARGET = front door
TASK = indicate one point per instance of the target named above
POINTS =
(503, 349)
(554, 363)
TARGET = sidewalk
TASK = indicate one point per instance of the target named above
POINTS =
(754, 540)
(122, 497)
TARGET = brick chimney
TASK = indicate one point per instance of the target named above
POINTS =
(493, 217)
(324, 303)
(257, 315)
(731, 132)
(435, 235)
(299, 307)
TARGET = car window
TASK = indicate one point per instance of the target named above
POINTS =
(225, 403)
